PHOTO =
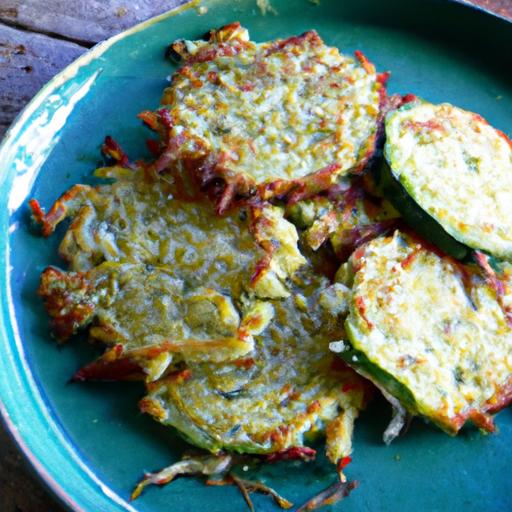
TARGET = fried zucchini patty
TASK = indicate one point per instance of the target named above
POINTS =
(137, 233)
(458, 170)
(261, 113)
(150, 316)
(289, 387)
(431, 332)
(139, 219)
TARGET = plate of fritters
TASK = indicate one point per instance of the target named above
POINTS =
(258, 255)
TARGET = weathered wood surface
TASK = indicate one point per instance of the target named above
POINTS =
(27, 62)
(85, 21)
(37, 39)
(502, 8)
(20, 491)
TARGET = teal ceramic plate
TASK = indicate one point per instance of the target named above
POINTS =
(89, 442)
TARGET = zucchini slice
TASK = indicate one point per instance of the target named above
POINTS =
(431, 332)
(450, 175)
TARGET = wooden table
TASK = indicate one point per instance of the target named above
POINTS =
(37, 39)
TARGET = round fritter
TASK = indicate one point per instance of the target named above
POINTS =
(147, 244)
(150, 316)
(142, 220)
(278, 111)
(435, 334)
(290, 386)
(458, 169)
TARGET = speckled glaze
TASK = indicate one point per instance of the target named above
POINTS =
(89, 442)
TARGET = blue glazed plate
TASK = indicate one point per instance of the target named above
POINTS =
(89, 442)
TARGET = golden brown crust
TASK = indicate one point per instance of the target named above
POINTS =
(218, 141)
(66, 297)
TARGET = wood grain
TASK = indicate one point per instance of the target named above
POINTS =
(502, 8)
(27, 62)
(86, 22)
(20, 490)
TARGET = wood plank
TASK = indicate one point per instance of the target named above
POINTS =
(502, 8)
(27, 62)
(20, 490)
(84, 21)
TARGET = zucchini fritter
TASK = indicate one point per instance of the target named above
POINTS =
(290, 387)
(149, 316)
(458, 170)
(431, 332)
(141, 219)
(146, 244)
(279, 115)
